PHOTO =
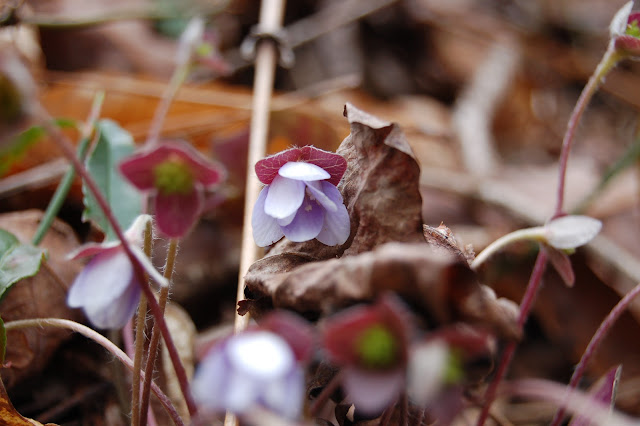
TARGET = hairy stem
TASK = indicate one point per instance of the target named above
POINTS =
(155, 334)
(63, 143)
(140, 326)
(102, 341)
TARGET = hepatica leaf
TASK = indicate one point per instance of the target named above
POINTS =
(17, 261)
(114, 143)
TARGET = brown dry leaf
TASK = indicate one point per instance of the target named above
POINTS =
(386, 249)
(43, 295)
(183, 332)
(9, 415)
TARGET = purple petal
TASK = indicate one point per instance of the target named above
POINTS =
(303, 171)
(285, 396)
(91, 249)
(337, 226)
(285, 197)
(106, 290)
(307, 224)
(209, 380)
(177, 213)
(287, 220)
(372, 392)
(315, 188)
(266, 230)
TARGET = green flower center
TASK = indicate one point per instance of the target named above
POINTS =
(173, 177)
(377, 348)
(633, 30)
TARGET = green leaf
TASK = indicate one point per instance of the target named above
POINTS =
(114, 144)
(19, 146)
(17, 261)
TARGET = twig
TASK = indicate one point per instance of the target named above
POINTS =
(102, 341)
(271, 15)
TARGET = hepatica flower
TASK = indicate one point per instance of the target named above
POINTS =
(370, 343)
(107, 288)
(259, 367)
(177, 175)
(300, 200)
(625, 30)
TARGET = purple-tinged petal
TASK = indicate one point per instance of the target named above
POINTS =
(316, 192)
(287, 220)
(106, 290)
(333, 163)
(303, 171)
(177, 213)
(267, 168)
(91, 249)
(285, 197)
(285, 396)
(208, 383)
(307, 224)
(372, 392)
(336, 228)
(266, 230)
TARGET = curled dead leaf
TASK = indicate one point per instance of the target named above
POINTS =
(386, 250)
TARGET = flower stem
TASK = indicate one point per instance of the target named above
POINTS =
(64, 144)
(607, 63)
(595, 342)
(535, 233)
(102, 341)
(507, 355)
(65, 184)
(140, 326)
(155, 334)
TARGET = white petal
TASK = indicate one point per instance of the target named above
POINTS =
(266, 230)
(618, 24)
(287, 220)
(571, 231)
(372, 392)
(316, 190)
(106, 290)
(284, 197)
(262, 355)
(303, 171)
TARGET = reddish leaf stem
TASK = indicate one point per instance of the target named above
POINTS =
(507, 355)
(593, 345)
(608, 61)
